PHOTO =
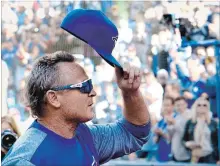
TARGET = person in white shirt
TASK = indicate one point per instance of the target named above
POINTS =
(176, 130)
(154, 95)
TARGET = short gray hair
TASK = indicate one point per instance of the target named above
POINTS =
(44, 75)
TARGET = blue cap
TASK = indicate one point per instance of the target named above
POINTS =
(94, 28)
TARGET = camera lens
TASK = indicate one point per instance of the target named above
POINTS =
(8, 139)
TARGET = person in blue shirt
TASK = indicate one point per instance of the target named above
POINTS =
(161, 136)
(8, 53)
(192, 85)
(60, 95)
(211, 91)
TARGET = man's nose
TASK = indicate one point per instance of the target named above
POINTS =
(92, 93)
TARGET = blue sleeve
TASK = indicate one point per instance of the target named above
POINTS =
(18, 162)
(210, 87)
(118, 139)
(183, 78)
(201, 89)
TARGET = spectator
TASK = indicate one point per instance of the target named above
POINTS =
(162, 77)
(160, 131)
(21, 14)
(201, 133)
(172, 89)
(10, 132)
(154, 100)
(176, 130)
(193, 87)
(8, 52)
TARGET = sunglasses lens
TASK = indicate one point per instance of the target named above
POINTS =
(87, 87)
(90, 87)
(82, 89)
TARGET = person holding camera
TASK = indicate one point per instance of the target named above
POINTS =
(60, 94)
(192, 85)
(9, 135)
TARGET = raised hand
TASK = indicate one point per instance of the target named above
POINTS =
(130, 79)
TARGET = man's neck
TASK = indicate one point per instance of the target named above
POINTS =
(59, 126)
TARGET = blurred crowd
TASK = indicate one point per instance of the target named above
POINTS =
(179, 83)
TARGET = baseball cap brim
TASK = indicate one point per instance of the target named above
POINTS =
(109, 59)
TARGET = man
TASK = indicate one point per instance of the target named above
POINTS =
(176, 130)
(160, 131)
(162, 77)
(193, 86)
(61, 96)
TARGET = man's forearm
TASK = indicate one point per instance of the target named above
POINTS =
(135, 108)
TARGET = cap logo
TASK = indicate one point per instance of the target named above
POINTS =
(115, 39)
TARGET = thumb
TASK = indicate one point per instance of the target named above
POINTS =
(118, 72)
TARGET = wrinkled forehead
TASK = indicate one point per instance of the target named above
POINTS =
(71, 73)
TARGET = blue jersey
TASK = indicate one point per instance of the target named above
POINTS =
(92, 145)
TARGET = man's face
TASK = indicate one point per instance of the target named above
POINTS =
(75, 105)
(167, 107)
(180, 106)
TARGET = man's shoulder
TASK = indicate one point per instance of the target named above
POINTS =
(25, 147)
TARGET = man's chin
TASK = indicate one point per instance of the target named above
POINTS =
(88, 118)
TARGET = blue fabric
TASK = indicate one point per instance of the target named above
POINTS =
(196, 88)
(150, 146)
(164, 147)
(117, 139)
(94, 28)
(41, 146)
(211, 91)
(164, 150)
(9, 57)
(55, 150)
(155, 64)
(21, 18)
(54, 146)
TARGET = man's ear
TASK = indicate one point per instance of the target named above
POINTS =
(52, 99)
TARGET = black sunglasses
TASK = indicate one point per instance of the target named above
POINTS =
(84, 87)
(204, 105)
